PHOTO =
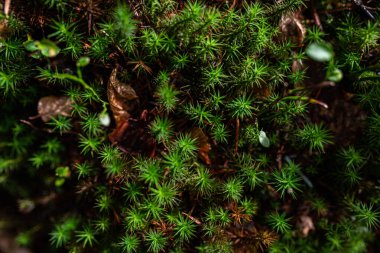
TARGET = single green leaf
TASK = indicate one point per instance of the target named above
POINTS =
(83, 62)
(335, 75)
(263, 139)
(320, 52)
(31, 45)
(48, 48)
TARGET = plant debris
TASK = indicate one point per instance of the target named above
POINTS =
(51, 106)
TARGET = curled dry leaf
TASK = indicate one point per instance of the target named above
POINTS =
(291, 27)
(305, 224)
(122, 99)
(203, 144)
(52, 106)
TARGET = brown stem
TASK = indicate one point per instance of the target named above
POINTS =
(317, 86)
(34, 127)
(317, 20)
(230, 9)
(222, 171)
(192, 218)
(237, 135)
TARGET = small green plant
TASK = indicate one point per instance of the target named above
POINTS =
(150, 171)
(134, 219)
(241, 107)
(352, 158)
(161, 129)
(185, 145)
(287, 180)
(61, 124)
(129, 243)
(315, 137)
(165, 195)
(167, 96)
(86, 236)
(156, 241)
(184, 229)
(279, 222)
(233, 189)
(102, 224)
(103, 203)
(366, 214)
(204, 183)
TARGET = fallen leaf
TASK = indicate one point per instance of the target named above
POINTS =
(203, 144)
(52, 106)
(305, 224)
(122, 99)
(291, 27)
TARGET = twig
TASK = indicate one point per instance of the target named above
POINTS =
(34, 127)
(229, 9)
(364, 8)
(317, 20)
(279, 155)
(237, 135)
(222, 171)
(317, 86)
(43, 129)
(7, 7)
(373, 8)
(310, 100)
(37, 116)
(192, 218)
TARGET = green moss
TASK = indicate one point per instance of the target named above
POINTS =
(254, 126)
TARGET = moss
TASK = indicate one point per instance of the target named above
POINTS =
(189, 126)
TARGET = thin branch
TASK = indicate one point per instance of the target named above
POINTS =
(237, 135)
(317, 20)
(364, 8)
(192, 218)
(34, 127)
(307, 99)
(230, 9)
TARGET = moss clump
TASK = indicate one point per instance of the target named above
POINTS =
(189, 126)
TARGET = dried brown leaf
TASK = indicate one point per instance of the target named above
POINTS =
(52, 106)
(123, 100)
(305, 224)
(203, 144)
(292, 27)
